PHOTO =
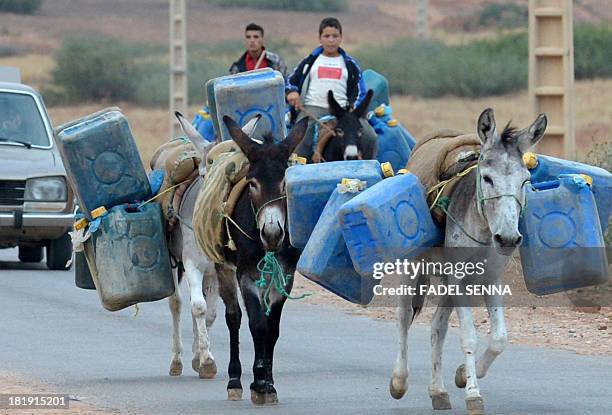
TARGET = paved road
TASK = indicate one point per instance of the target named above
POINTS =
(326, 361)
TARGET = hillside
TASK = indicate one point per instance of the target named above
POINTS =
(147, 21)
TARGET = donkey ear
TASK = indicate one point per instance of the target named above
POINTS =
(244, 141)
(334, 108)
(487, 130)
(533, 134)
(200, 143)
(361, 110)
(296, 135)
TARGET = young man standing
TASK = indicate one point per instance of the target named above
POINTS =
(327, 68)
(256, 55)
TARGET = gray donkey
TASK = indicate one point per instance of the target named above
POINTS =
(484, 211)
(200, 273)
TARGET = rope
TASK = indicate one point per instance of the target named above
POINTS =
(443, 204)
(271, 270)
(161, 193)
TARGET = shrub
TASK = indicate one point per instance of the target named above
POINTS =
(295, 5)
(95, 68)
(20, 6)
(432, 69)
(592, 51)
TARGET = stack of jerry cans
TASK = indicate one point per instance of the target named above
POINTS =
(245, 95)
(389, 221)
(309, 187)
(102, 162)
(326, 261)
(547, 168)
(563, 246)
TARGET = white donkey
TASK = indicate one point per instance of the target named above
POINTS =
(199, 271)
(484, 211)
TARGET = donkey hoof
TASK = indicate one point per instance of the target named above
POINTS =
(475, 406)
(208, 370)
(195, 364)
(234, 394)
(397, 387)
(441, 402)
(271, 398)
(176, 368)
(460, 377)
(258, 398)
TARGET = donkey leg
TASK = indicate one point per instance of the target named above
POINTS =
(499, 335)
(439, 327)
(399, 378)
(174, 301)
(466, 373)
(228, 290)
(207, 369)
(258, 325)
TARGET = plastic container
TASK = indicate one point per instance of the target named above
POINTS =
(392, 146)
(546, 168)
(102, 162)
(204, 124)
(379, 84)
(244, 95)
(563, 247)
(325, 259)
(389, 221)
(82, 275)
(309, 187)
(381, 116)
(131, 257)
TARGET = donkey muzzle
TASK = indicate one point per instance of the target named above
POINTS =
(272, 228)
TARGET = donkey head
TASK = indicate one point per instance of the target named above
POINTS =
(266, 179)
(502, 176)
(348, 143)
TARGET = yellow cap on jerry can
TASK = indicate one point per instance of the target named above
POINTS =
(403, 171)
(97, 212)
(392, 123)
(531, 160)
(387, 169)
(587, 179)
(380, 110)
(80, 224)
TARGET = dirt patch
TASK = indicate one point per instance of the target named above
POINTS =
(13, 384)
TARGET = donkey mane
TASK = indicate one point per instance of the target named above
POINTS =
(509, 133)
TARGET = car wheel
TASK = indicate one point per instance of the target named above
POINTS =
(30, 253)
(59, 252)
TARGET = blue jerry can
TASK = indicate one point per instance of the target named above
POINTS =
(245, 95)
(309, 187)
(392, 146)
(102, 162)
(546, 168)
(131, 257)
(325, 259)
(563, 247)
(204, 124)
(389, 221)
(379, 84)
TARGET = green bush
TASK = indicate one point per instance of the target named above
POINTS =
(592, 51)
(505, 15)
(20, 6)
(432, 69)
(95, 68)
(295, 5)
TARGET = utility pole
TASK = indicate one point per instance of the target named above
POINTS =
(551, 73)
(178, 64)
(422, 19)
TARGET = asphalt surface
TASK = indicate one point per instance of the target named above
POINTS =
(326, 361)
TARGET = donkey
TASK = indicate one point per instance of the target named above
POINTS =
(484, 212)
(258, 227)
(200, 273)
(347, 141)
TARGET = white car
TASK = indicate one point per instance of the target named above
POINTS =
(36, 203)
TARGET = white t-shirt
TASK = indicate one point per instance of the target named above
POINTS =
(327, 74)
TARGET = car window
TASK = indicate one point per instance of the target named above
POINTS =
(20, 119)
